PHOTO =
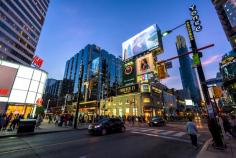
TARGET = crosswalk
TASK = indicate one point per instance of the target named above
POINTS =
(162, 133)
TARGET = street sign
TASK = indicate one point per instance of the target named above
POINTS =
(196, 59)
(195, 18)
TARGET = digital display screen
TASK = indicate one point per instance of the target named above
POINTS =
(144, 64)
(230, 10)
(7, 77)
(146, 40)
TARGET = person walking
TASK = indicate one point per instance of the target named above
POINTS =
(227, 126)
(192, 131)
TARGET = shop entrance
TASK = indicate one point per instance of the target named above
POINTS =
(19, 109)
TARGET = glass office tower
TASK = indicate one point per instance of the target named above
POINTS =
(101, 76)
(187, 73)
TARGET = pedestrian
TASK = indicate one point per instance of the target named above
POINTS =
(192, 131)
(233, 123)
(39, 120)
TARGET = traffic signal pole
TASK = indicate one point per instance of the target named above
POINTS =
(213, 124)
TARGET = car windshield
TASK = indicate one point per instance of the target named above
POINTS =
(156, 118)
(103, 120)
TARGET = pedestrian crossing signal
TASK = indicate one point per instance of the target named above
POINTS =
(161, 71)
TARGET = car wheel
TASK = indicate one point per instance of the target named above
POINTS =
(122, 129)
(104, 131)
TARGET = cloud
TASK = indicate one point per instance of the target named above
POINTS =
(212, 59)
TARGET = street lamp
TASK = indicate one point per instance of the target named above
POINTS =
(47, 106)
(213, 124)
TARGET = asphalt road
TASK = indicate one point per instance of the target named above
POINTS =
(136, 142)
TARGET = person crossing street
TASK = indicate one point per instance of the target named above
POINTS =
(192, 131)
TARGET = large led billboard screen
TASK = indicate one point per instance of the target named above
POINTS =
(148, 39)
(7, 77)
(230, 10)
(145, 64)
(129, 72)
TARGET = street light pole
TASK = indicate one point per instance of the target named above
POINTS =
(212, 121)
(79, 93)
(48, 105)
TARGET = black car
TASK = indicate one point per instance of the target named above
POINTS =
(106, 125)
(157, 121)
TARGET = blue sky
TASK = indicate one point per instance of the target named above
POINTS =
(72, 24)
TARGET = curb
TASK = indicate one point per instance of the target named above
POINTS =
(39, 133)
(203, 149)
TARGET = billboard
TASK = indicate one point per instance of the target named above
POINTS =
(145, 64)
(128, 89)
(148, 39)
(129, 72)
(7, 77)
(230, 10)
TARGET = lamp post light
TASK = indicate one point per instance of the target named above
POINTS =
(213, 124)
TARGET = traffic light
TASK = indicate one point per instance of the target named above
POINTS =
(161, 71)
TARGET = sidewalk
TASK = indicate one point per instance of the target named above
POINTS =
(44, 128)
(208, 151)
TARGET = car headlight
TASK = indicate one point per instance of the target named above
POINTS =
(98, 126)
(155, 122)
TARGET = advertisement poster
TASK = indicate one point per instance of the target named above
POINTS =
(146, 40)
(129, 72)
(145, 64)
(7, 79)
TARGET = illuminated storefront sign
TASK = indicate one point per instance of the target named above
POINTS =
(145, 88)
(4, 92)
(128, 89)
(37, 61)
(148, 39)
(155, 89)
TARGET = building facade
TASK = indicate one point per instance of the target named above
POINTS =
(226, 10)
(100, 78)
(187, 73)
(20, 27)
(21, 88)
(52, 96)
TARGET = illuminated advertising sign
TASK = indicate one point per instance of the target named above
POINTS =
(148, 39)
(37, 61)
(145, 64)
(144, 77)
(189, 102)
(129, 72)
(128, 89)
(7, 77)
(195, 18)
(145, 88)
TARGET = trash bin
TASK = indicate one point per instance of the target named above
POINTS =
(26, 125)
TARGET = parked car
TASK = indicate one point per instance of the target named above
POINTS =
(157, 121)
(106, 125)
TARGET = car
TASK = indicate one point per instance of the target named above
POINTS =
(157, 121)
(106, 125)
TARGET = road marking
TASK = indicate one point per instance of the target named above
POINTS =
(168, 132)
(179, 134)
(157, 131)
(166, 137)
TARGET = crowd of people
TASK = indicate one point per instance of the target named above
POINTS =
(9, 121)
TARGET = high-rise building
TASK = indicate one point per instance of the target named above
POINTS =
(101, 76)
(20, 27)
(52, 95)
(187, 73)
(226, 10)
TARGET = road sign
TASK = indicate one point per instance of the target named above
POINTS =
(196, 59)
(168, 65)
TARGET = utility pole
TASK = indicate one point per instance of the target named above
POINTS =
(79, 93)
(212, 122)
